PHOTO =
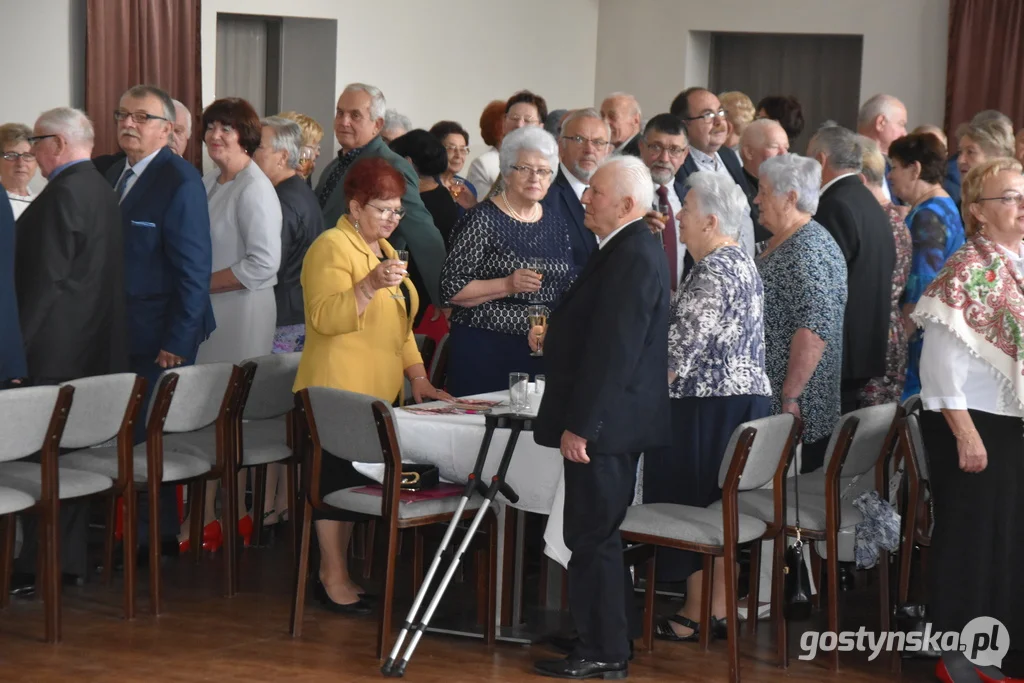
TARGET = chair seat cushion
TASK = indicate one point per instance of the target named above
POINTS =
(178, 466)
(760, 504)
(12, 500)
(27, 477)
(702, 526)
(353, 500)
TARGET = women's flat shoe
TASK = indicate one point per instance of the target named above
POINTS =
(358, 608)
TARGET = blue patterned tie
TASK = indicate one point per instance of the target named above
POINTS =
(123, 182)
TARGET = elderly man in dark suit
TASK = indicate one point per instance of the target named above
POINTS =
(69, 280)
(583, 144)
(167, 256)
(861, 228)
(622, 112)
(12, 348)
(605, 403)
(358, 121)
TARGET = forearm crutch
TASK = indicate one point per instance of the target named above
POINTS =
(516, 423)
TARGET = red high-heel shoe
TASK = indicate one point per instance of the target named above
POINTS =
(245, 529)
(213, 539)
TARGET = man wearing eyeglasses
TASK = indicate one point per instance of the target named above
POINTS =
(704, 119)
(664, 148)
(584, 143)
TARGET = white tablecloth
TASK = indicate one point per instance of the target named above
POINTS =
(452, 443)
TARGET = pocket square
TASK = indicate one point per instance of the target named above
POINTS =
(143, 224)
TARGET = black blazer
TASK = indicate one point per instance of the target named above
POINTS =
(562, 200)
(860, 227)
(12, 349)
(303, 223)
(69, 278)
(735, 168)
(632, 148)
(606, 351)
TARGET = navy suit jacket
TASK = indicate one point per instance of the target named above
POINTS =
(562, 200)
(12, 348)
(168, 257)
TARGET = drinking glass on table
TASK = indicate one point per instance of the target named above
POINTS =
(536, 394)
(403, 256)
(538, 316)
(518, 388)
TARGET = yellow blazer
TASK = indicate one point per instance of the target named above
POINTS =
(362, 353)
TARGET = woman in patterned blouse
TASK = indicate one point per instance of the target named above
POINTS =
(716, 376)
(804, 275)
(490, 278)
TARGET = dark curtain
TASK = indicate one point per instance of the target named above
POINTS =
(130, 42)
(986, 60)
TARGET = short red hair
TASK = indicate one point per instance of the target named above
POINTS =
(373, 178)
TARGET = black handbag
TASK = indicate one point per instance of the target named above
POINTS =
(417, 477)
(797, 599)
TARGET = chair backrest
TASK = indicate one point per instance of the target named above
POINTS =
(913, 404)
(439, 363)
(101, 408)
(271, 392)
(875, 428)
(773, 440)
(26, 417)
(915, 445)
(427, 347)
(199, 395)
(344, 423)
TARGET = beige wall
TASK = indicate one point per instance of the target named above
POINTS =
(656, 48)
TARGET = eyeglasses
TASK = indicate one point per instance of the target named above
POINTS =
(707, 116)
(35, 139)
(658, 149)
(452, 149)
(543, 173)
(137, 116)
(580, 140)
(388, 214)
(14, 156)
(528, 120)
(1008, 199)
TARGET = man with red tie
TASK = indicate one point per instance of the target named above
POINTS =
(663, 148)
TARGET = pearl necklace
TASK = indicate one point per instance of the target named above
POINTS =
(515, 214)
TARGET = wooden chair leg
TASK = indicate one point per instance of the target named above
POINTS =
(302, 571)
(229, 524)
(153, 491)
(259, 499)
(53, 608)
(706, 584)
(108, 540)
(292, 473)
(386, 607)
(778, 590)
(481, 564)
(371, 530)
(754, 587)
(885, 604)
(649, 592)
(832, 567)
(815, 575)
(129, 547)
(7, 529)
(491, 617)
(196, 504)
(732, 613)
(417, 560)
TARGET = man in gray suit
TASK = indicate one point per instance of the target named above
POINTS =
(358, 121)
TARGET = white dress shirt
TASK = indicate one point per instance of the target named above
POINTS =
(613, 233)
(714, 164)
(577, 185)
(676, 205)
(953, 378)
(834, 181)
(137, 170)
(483, 172)
(20, 202)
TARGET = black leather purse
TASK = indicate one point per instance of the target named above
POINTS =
(797, 600)
(419, 477)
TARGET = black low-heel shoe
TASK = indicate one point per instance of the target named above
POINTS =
(358, 608)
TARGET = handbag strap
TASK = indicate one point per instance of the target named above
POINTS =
(796, 489)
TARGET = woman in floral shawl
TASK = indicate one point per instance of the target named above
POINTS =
(972, 387)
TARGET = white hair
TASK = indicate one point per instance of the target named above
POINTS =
(626, 96)
(71, 124)
(878, 105)
(756, 132)
(634, 178)
(841, 148)
(395, 121)
(526, 139)
(287, 138)
(794, 173)
(179, 107)
(719, 195)
(378, 105)
(588, 113)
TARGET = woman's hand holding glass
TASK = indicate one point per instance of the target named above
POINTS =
(387, 274)
(523, 281)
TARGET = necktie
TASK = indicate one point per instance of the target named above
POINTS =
(123, 182)
(669, 236)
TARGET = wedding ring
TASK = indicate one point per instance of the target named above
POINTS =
(387, 271)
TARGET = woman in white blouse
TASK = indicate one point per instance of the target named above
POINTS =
(17, 165)
(972, 388)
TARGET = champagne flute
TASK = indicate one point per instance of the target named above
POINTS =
(403, 256)
(665, 210)
(538, 316)
(537, 265)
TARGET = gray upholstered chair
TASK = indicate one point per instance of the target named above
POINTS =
(439, 363)
(32, 421)
(757, 454)
(187, 399)
(361, 428)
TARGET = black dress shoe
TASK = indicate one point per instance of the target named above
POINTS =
(358, 608)
(847, 576)
(24, 584)
(568, 644)
(578, 669)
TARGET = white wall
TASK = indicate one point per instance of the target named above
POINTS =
(657, 48)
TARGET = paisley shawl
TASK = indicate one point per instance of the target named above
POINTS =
(979, 296)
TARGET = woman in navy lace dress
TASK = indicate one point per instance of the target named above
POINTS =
(489, 278)
(716, 376)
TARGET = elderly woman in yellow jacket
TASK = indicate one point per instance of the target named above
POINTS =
(359, 306)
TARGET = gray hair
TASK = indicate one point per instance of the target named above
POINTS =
(395, 121)
(987, 115)
(878, 105)
(993, 135)
(635, 181)
(138, 92)
(757, 130)
(794, 173)
(588, 113)
(872, 161)
(178, 106)
(719, 195)
(378, 105)
(553, 123)
(626, 96)
(287, 138)
(841, 148)
(526, 139)
(71, 124)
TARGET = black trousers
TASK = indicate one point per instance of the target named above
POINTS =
(849, 394)
(601, 597)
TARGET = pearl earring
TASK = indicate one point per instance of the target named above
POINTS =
(356, 226)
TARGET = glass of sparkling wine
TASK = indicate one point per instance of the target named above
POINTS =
(403, 256)
(458, 185)
(538, 316)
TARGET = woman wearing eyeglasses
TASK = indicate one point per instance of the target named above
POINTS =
(972, 389)
(17, 165)
(507, 253)
(455, 139)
